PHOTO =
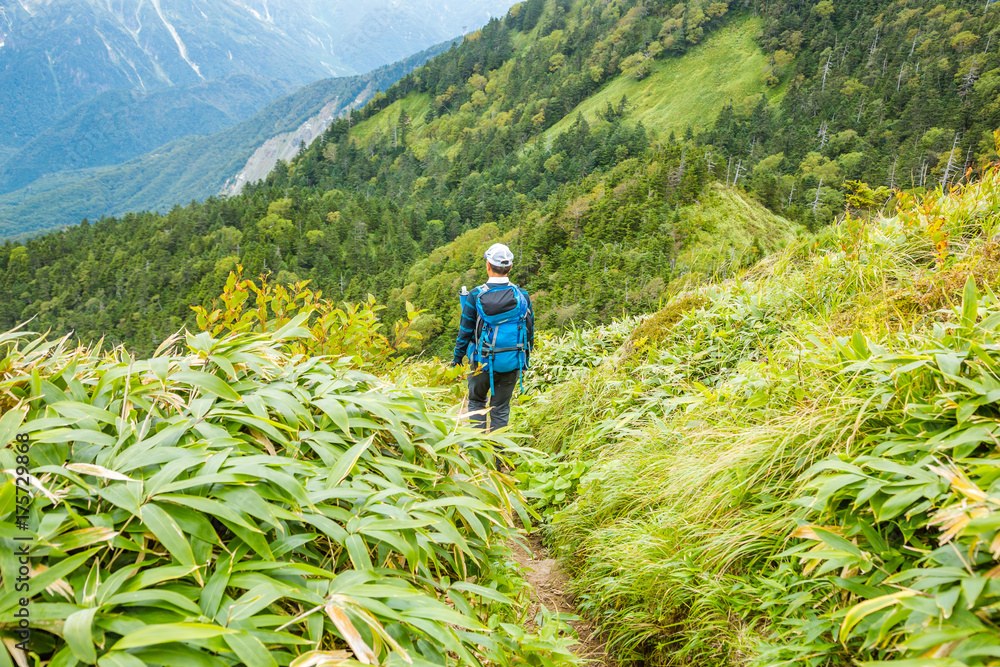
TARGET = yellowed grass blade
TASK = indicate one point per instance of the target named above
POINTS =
(19, 656)
(322, 659)
(98, 471)
(362, 651)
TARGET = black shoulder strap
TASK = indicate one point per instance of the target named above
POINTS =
(478, 292)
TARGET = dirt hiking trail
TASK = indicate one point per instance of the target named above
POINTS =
(550, 586)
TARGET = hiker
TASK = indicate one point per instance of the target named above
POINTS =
(497, 332)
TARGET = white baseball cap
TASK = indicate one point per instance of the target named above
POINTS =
(499, 256)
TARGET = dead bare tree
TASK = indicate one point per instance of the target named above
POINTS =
(951, 162)
(676, 175)
(822, 134)
(969, 80)
(815, 204)
(739, 167)
(874, 47)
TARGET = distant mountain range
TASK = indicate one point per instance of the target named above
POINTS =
(95, 83)
(195, 167)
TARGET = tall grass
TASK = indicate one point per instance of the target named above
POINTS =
(732, 514)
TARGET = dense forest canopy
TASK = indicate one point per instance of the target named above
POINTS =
(898, 94)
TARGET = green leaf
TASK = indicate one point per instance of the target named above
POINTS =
(250, 650)
(919, 662)
(211, 595)
(294, 328)
(972, 587)
(170, 632)
(43, 580)
(147, 597)
(166, 530)
(358, 551)
(970, 303)
(78, 410)
(160, 366)
(858, 612)
(965, 410)
(946, 601)
(335, 410)
(223, 363)
(9, 425)
(119, 659)
(837, 542)
(207, 382)
(78, 632)
(949, 364)
(347, 461)
(483, 592)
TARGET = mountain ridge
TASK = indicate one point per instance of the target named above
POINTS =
(186, 169)
(87, 84)
(605, 208)
(118, 125)
(149, 46)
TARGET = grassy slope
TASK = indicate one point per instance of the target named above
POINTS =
(690, 90)
(700, 431)
(725, 227)
(416, 106)
(727, 223)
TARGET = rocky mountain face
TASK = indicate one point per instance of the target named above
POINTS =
(286, 146)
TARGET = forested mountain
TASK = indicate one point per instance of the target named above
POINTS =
(85, 83)
(901, 94)
(55, 54)
(191, 168)
(603, 197)
(118, 125)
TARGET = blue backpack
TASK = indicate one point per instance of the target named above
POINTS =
(502, 341)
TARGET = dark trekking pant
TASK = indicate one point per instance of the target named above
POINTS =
(503, 389)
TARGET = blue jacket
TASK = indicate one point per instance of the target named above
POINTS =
(469, 324)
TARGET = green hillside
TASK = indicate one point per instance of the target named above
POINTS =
(588, 279)
(762, 414)
(795, 467)
(454, 147)
(677, 93)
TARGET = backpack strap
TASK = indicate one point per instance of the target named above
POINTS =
(477, 328)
